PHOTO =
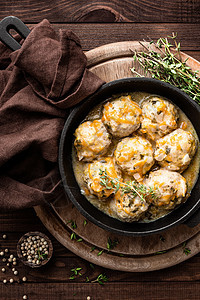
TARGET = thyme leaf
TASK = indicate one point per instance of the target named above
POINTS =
(166, 65)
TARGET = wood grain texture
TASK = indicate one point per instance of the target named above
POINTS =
(95, 35)
(178, 282)
(103, 11)
(76, 291)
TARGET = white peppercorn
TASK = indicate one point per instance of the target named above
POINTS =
(24, 279)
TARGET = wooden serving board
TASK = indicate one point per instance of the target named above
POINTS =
(110, 62)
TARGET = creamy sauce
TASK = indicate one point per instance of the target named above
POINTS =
(190, 174)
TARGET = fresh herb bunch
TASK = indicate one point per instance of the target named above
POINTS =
(130, 187)
(166, 65)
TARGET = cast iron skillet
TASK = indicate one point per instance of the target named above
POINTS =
(180, 214)
(187, 211)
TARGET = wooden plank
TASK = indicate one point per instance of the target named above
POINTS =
(130, 291)
(95, 35)
(59, 270)
(103, 11)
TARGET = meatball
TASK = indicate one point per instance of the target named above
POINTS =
(128, 208)
(98, 176)
(175, 150)
(134, 156)
(159, 117)
(170, 188)
(121, 116)
(92, 140)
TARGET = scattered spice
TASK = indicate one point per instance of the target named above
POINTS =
(24, 279)
(168, 66)
(34, 249)
(85, 222)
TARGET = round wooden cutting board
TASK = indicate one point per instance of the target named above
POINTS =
(134, 254)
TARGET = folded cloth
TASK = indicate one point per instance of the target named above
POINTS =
(38, 83)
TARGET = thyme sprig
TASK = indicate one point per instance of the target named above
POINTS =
(162, 60)
(130, 187)
(101, 279)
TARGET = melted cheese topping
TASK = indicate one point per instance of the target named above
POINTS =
(170, 188)
(159, 117)
(92, 139)
(122, 116)
(134, 155)
(175, 150)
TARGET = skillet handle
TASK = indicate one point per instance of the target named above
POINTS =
(12, 22)
(194, 220)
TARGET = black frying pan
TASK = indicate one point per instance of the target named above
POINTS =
(178, 215)
(188, 212)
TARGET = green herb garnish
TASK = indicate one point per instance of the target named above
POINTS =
(129, 187)
(160, 252)
(87, 279)
(100, 252)
(75, 272)
(166, 65)
(111, 244)
(186, 250)
(41, 256)
(73, 236)
(101, 279)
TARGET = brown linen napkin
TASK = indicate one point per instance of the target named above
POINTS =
(38, 83)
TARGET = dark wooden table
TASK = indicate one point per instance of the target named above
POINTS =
(97, 23)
